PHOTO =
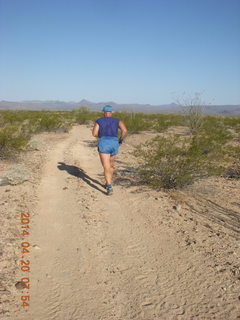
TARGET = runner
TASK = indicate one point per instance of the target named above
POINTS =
(106, 129)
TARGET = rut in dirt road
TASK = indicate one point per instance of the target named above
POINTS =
(98, 257)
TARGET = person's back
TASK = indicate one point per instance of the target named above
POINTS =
(106, 129)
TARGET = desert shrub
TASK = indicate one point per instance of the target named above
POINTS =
(12, 117)
(231, 122)
(212, 137)
(193, 108)
(194, 118)
(50, 121)
(17, 174)
(164, 121)
(17, 127)
(135, 122)
(36, 121)
(84, 115)
(175, 162)
(12, 140)
(82, 118)
(233, 169)
(84, 109)
(161, 124)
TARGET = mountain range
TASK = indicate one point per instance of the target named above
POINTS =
(232, 110)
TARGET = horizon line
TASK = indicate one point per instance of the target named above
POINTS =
(102, 102)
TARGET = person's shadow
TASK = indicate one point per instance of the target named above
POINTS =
(80, 173)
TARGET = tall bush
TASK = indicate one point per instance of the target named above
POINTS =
(175, 162)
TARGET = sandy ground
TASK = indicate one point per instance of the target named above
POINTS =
(138, 254)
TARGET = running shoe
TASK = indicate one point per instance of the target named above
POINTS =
(109, 190)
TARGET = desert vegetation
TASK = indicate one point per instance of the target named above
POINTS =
(210, 145)
(173, 161)
(18, 126)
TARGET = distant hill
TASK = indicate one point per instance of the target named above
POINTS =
(230, 110)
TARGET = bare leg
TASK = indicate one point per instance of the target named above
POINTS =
(112, 159)
(107, 166)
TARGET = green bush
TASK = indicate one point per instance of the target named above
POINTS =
(49, 123)
(231, 122)
(163, 121)
(36, 121)
(17, 126)
(161, 124)
(82, 118)
(212, 137)
(233, 170)
(135, 122)
(83, 115)
(175, 162)
(12, 140)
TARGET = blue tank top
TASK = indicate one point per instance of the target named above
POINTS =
(108, 126)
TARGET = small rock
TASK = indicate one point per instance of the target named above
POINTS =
(17, 174)
(36, 246)
(20, 285)
(4, 181)
(177, 207)
(35, 144)
(222, 270)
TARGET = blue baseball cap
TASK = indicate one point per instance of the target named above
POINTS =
(107, 108)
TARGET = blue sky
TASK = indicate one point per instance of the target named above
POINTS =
(127, 51)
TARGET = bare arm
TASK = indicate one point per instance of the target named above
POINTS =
(123, 129)
(95, 130)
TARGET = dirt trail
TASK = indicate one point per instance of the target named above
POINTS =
(113, 257)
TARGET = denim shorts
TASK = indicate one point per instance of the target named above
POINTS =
(108, 145)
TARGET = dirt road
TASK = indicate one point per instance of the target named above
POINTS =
(118, 257)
